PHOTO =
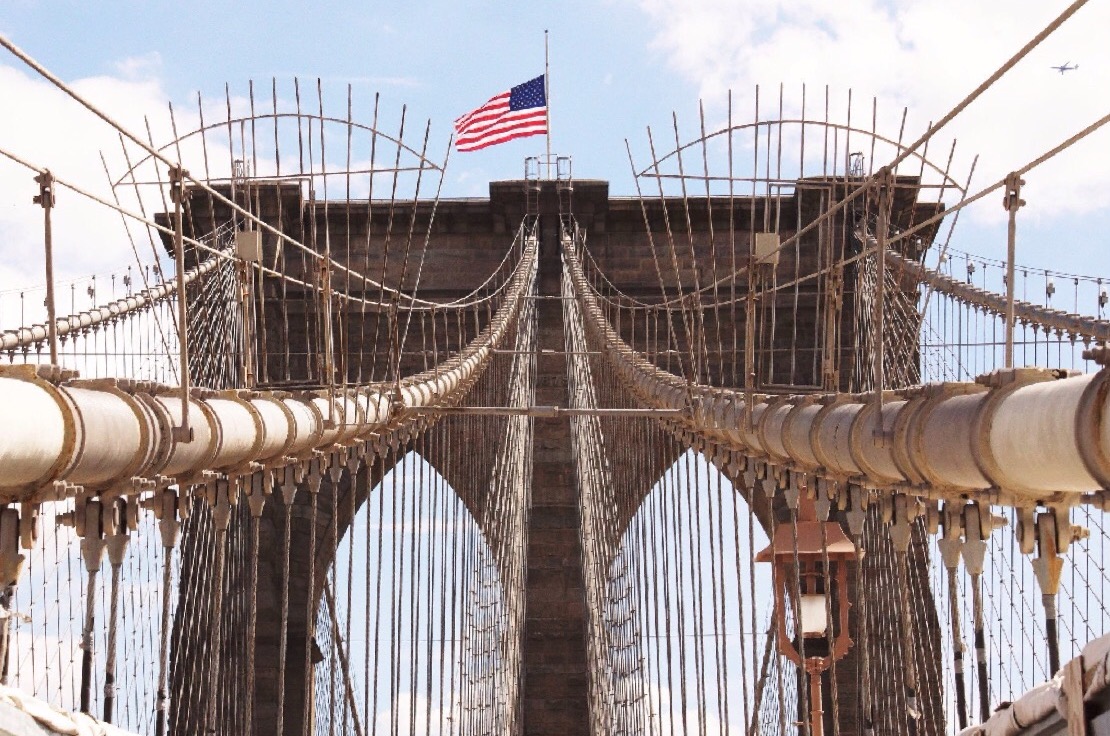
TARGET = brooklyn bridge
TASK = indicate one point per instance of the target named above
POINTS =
(755, 450)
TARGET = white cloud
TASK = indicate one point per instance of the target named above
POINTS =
(666, 714)
(140, 68)
(415, 706)
(922, 54)
(48, 129)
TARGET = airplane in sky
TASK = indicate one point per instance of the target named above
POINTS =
(1065, 67)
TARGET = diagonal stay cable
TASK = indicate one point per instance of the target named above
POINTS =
(61, 85)
(947, 285)
(869, 182)
(463, 302)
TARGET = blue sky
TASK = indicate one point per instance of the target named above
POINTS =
(441, 59)
(618, 66)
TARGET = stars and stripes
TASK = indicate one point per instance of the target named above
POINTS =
(519, 112)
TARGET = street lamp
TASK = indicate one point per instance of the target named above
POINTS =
(800, 575)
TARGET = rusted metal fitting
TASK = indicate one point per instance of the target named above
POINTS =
(226, 495)
(117, 536)
(825, 492)
(55, 374)
(881, 184)
(793, 490)
(1011, 199)
(951, 542)
(931, 511)
(974, 548)
(45, 197)
(1100, 500)
(858, 499)
(29, 525)
(771, 480)
(11, 560)
(1064, 531)
(737, 464)
(1009, 376)
(178, 192)
(1098, 354)
(256, 492)
(314, 476)
(355, 456)
(753, 470)
(903, 510)
(1054, 533)
(288, 482)
(93, 522)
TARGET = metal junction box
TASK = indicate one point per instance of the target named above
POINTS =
(248, 245)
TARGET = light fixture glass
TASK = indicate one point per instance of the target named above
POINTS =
(814, 614)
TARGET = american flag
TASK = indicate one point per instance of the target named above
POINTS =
(520, 112)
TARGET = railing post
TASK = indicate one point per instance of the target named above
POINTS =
(248, 249)
(978, 523)
(950, 545)
(1049, 533)
(14, 529)
(45, 199)
(88, 522)
(884, 181)
(178, 195)
(167, 506)
(121, 513)
(1011, 201)
(329, 340)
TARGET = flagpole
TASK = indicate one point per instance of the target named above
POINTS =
(547, 98)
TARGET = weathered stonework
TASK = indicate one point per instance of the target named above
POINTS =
(468, 240)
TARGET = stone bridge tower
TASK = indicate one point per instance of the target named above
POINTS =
(468, 240)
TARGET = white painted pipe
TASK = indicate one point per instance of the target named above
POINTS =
(277, 425)
(35, 438)
(941, 440)
(185, 458)
(241, 437)
(306, 429)
(115, 432)
(1033, 440)
(104, 434)
(1029, 433)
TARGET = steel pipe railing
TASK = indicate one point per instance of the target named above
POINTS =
(1074, 325)
(26, 336)
(1024, 435)
(116, 436)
